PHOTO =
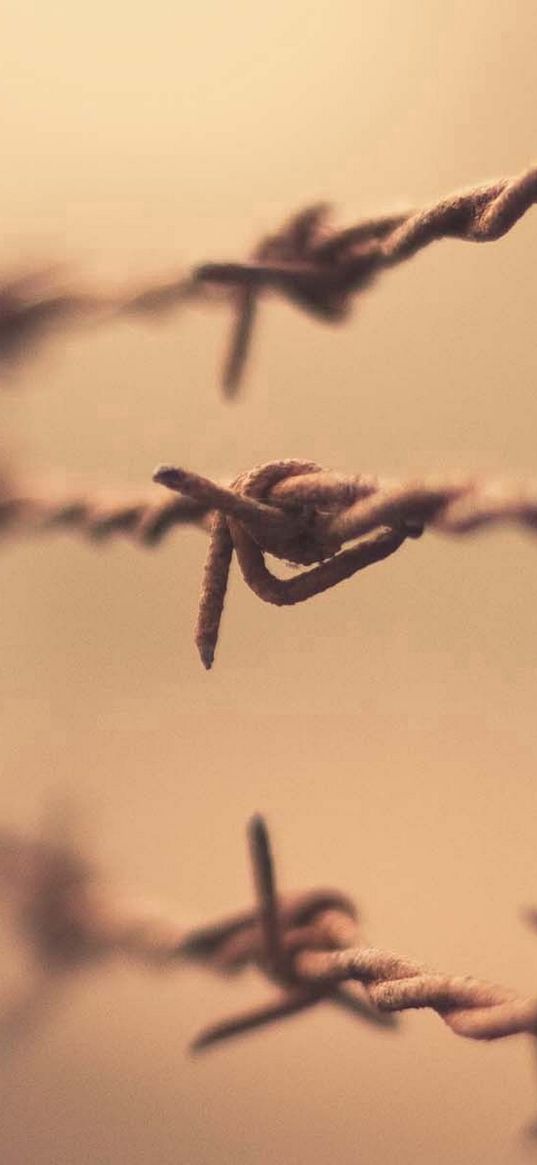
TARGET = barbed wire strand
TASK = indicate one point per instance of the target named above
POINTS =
(307, 954)
(316, 267)
(99, 515)
(304, 515)
(69, 918)
(293, 510)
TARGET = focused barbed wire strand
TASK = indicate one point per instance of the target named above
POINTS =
(293, 510)
(303, 514)
(307, 261)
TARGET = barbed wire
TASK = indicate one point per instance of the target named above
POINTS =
(99, 515)
(304, 515)
(313, 265)
(307, 954)
(294, 510)
(269, 938)
(70, 919)
(307, 944)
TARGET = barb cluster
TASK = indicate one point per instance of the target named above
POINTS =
(304, 515)
(313, 265)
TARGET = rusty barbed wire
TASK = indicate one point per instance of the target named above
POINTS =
(269, 938)
(304, 515)
(304, 949)
(70, 919)
(293, 510)
(316, 267)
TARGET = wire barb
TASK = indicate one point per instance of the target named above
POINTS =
(305, 515)
(303, 948)
(320, 269)
(270, 937)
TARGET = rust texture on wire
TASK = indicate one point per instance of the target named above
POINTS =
(303, 514)
(294, 510)
(316, 267)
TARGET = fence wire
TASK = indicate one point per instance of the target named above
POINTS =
(315, 266)
(309, 945)
(336, 525)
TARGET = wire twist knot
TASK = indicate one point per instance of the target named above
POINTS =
(287, 509)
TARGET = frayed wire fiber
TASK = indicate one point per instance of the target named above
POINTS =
(303, 514)
(308, 262)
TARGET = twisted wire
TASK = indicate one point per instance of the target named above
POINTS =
(320, 269)
(306, 944)
(96, 515)
(36, 305)
(305, 515)
(311, 264)
(293, 510)
(470, 1007)
(70, 920)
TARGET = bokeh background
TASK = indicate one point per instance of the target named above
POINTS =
(387, 728)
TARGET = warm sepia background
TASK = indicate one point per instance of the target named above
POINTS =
(388, 728)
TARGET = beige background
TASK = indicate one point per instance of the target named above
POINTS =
(387, 729)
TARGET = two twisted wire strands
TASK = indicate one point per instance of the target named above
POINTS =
(307, 944)
(316, 267)
(304, 515)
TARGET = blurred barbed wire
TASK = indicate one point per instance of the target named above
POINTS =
(307, 944)
(70, 919)
(315, 266)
